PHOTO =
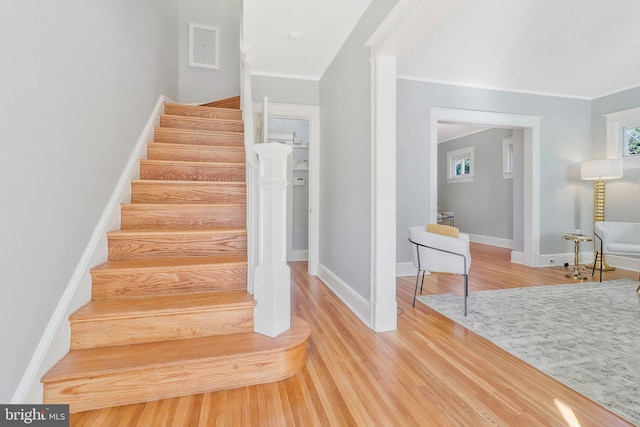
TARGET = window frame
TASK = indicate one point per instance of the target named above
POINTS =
(507, 158)
(460, 154)
(616, 144)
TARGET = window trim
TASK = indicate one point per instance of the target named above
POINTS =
(507, 158)
(616, 122)
(454, 155)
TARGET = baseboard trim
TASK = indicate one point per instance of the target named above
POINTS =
(299, 255)
(356, 302)
(78, 290)
(404, 269)
(492, 241)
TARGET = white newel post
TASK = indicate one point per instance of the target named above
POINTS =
(272, 315)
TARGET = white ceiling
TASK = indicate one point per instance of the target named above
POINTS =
(323, 25)
(576, 48)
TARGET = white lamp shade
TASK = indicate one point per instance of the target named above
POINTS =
(593, 170)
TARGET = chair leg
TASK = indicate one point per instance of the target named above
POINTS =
(601, 266)
(466, 293)
(415, 292)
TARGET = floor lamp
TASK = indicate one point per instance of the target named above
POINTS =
(600, 171)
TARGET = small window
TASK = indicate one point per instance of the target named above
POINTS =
(460, 165)
(631, 141)
(507, 158)
(623, 137)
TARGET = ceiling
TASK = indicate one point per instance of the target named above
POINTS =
(574, 48)
(322, 27)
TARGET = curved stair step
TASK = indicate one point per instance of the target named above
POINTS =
(113, 376)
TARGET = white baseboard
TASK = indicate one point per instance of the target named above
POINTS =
(299, 255)
(55, 340)
(356, 302)
(404, 269)
(491, 241)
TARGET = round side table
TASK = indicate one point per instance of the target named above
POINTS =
(577, 238)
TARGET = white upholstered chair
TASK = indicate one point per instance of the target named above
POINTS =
(617, 238)
(440, 253)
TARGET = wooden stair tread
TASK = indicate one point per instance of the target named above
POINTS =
(160, 305)
(189, 183)
(211, 148)
(203, 111)
(171, 264)
(231, 102)
(102, 361)
(181, 206)
(191, 163)
(203, 132)
(175, 232)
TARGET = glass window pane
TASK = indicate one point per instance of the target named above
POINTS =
(632, 141)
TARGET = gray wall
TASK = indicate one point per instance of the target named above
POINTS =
(483, 206)
(285, 90)
(345, 172)
(200, 85)
(623, 195)
(81, 79)
(300, 196)
(565, 136)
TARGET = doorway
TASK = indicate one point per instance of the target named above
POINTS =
(310, 114)
(531, 174)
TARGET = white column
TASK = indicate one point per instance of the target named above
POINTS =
(272, 315)
(384, 308)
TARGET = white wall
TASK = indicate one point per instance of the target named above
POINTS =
(565, 143)
(79, 82)
(200, 85)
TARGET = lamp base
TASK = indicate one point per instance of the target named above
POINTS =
(605, 266)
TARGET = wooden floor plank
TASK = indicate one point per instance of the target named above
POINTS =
(430, 371)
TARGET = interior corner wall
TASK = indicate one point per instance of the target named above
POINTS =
(565, 143)
(81, 79)
(623, 195)
(201, 85)
(345, 158)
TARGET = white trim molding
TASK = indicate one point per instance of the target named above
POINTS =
(531, 126)
(55, 341)
(384, 307)
(615, 124)
(356, 302)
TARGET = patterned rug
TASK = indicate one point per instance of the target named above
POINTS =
(586, 335)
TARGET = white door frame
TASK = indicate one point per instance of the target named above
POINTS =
(311, 113)
(531, 126)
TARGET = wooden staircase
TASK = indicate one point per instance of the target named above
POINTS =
(170, 314)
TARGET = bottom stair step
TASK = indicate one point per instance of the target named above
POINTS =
(122, 375)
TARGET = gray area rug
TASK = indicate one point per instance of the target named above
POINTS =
(586, 335)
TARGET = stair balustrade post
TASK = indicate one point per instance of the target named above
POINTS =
(272, 282)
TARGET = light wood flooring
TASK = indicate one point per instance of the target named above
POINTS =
(430, 372)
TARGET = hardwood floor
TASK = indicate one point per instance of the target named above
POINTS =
(429, 372)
